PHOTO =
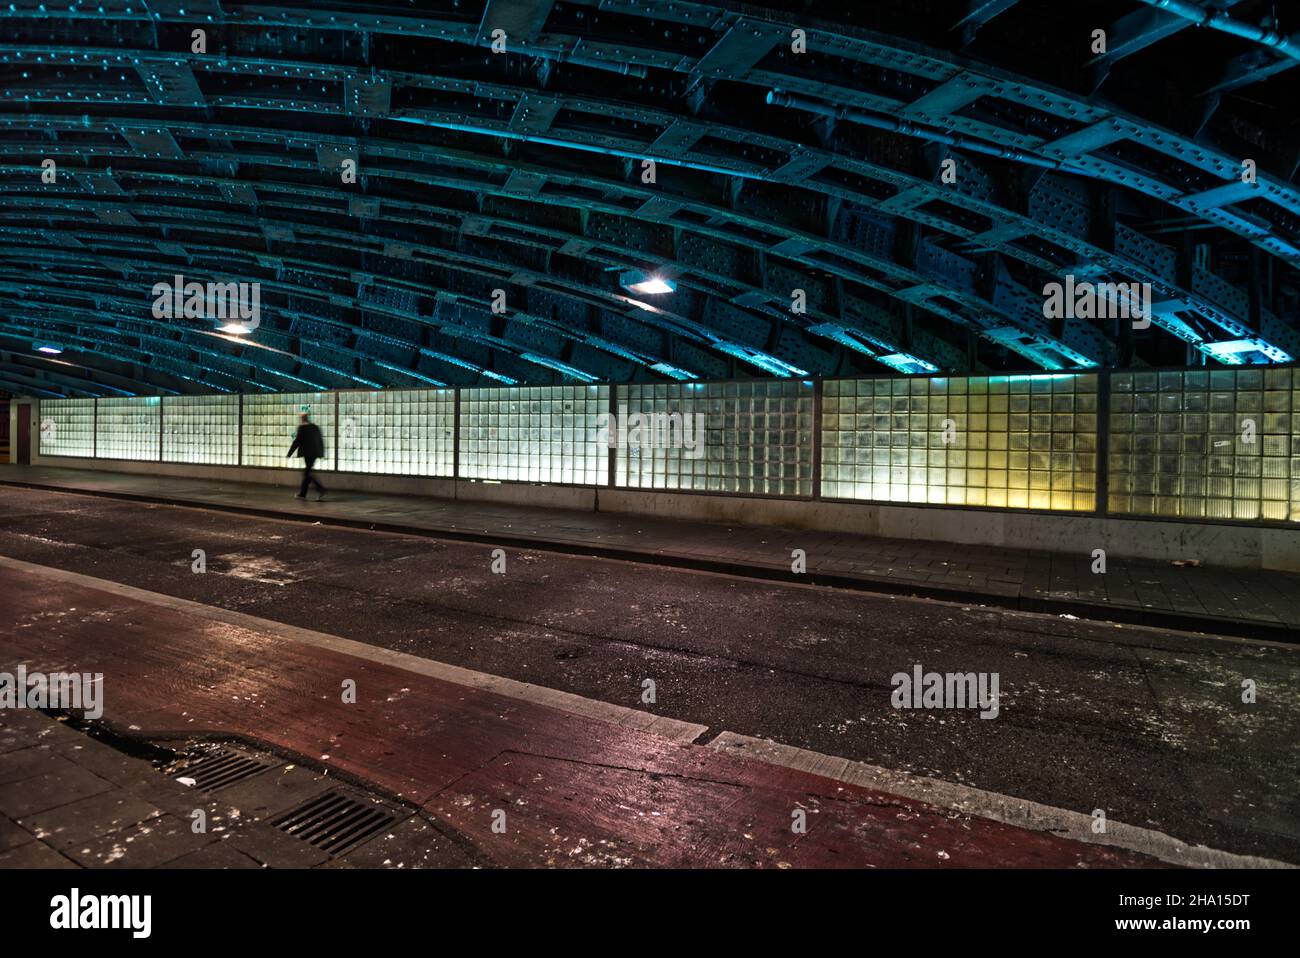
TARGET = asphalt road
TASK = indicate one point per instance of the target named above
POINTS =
(1145, 724)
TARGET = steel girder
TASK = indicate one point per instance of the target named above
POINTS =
(776, 171)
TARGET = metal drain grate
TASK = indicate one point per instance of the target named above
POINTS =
(216, 768)
(334, 822)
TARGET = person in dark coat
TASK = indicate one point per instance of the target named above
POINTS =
(310, 445)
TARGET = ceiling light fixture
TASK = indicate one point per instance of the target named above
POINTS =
(638, 281)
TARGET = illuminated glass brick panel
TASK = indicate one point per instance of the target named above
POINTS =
(67, 427)
(757, 438)
(1206, 444)
(271, 420)
(534, 434)
(401, 432)
(201, 429)
(1018, 442)
(129, 428)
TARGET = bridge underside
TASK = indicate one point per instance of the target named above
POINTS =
(456, 194)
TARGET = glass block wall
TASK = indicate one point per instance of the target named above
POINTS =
(1208, 444)
(757, 437)
(129, 428)
(270, 421)
(67, 427)
(1021, 442)
(534, 434)
(201, 429)
(1205, 444)
(402, 432)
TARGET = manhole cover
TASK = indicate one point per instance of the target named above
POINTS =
(335, 822)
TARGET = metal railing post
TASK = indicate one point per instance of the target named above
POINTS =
(817, 440)
(1102, 481)
(455, 437)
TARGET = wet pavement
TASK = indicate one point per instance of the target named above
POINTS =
(1146, 724)
(521, 784)
(1198, 595)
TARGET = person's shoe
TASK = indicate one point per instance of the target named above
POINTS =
(320, 497)
(300, 496)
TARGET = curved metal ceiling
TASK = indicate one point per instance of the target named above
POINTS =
(794, 146)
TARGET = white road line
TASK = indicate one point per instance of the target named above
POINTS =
(972, 801)
(999, 808)
(669, 728)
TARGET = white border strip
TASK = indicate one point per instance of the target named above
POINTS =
(677, 731)
(999, 808)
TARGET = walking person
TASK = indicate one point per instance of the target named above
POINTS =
(310, 445)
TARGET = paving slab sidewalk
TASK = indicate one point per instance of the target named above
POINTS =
(569, 790)
(70, 800)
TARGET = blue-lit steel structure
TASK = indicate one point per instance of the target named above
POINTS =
(446, 193)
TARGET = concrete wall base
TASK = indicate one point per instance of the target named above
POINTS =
(1213, 544)
(1242, 546)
